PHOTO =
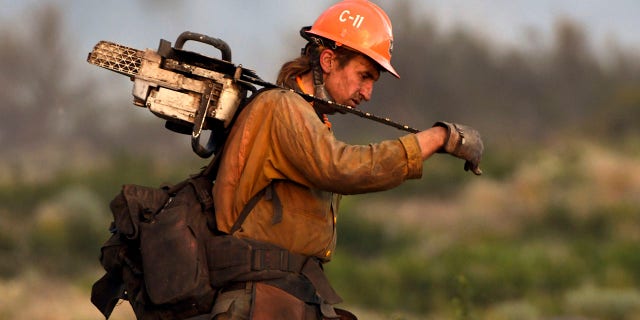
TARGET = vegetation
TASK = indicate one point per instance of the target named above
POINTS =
(550, 229)
(491, 253)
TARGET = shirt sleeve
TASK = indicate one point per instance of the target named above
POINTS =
(307, 152)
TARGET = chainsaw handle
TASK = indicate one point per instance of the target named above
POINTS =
(217, 43)
(203, 151)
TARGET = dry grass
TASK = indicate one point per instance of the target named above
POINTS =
(33, 296)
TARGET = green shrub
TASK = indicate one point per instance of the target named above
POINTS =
(363, 238)
(68, 231)
(10, 257)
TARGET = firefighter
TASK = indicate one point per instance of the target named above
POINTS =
(282, 171)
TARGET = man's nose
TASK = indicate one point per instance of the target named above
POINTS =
(366, 91)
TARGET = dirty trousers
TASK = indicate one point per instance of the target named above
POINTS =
(262, 302)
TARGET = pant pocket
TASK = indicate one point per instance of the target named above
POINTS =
(271, 303)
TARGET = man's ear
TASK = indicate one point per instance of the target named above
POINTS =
(327, 57)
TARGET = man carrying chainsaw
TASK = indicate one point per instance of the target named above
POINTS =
(282, 171)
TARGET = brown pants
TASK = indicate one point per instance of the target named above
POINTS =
(259, 301)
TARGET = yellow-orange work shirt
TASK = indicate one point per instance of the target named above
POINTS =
(279, 138)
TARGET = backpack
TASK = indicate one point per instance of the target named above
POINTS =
(167, 258)
(163, 255)
(156, 256)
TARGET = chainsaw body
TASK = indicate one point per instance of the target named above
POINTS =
(191, 91)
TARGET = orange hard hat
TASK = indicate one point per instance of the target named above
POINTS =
(360, 25)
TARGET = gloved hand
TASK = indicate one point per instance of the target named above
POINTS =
(465, 143)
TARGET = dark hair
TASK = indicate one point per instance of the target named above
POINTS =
(304, 63)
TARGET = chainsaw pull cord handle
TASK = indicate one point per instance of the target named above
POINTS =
(210, 147)
(215, 42)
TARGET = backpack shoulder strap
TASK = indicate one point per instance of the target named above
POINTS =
(269, 193)
(246, 210)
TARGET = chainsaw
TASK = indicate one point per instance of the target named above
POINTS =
(191, 91)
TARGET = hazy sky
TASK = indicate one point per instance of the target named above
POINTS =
(262, 33)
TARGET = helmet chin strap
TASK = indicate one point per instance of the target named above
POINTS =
(319, 89)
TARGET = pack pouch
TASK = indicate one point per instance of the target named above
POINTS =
(155, 257)
(132, 204)
(172, 248)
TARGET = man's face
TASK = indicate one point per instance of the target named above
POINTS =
(353, 83)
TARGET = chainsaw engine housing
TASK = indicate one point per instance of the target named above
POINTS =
(192, 92)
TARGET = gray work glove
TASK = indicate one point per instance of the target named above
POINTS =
(465, 143)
